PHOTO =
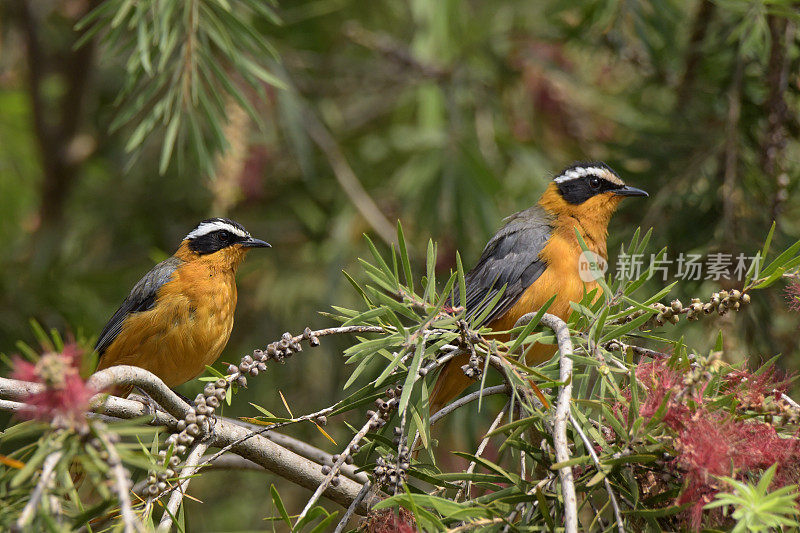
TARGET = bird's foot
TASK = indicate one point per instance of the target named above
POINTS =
(150, 405)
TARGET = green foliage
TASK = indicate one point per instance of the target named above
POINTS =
(755, 508)
(180, 61)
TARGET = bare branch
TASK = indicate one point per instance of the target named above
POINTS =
(464, 400)
(326, 483)
(302, 448)
(122, 485)
(560, 425)
(284, 463)
(609, 490)
(48, 466)
(238, 439)
(192, 465)
(367, 488)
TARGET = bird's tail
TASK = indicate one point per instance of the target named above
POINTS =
(449, 384)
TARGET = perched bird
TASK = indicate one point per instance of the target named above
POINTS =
(536, 255)
(179, 316)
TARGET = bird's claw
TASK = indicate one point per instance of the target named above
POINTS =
(150, 405)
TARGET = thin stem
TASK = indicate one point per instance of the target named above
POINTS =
(593, 454)
(352, 508)
(464, 400)
(121, 485)
(467, 488)
(337, 465)
(176, 498)
(48, 466)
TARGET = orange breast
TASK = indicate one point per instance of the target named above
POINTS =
(186, 329)
(562, 254)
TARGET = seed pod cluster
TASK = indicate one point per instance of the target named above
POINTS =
(385, 407)
(288, 345)
(101, 450)
(473, 368)
(723, 301)
(786, 413)
(700, 372)
(391, 472)
(720, 302)
(197, 422)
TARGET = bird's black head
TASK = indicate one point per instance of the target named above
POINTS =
(581, 181)
(214, 234)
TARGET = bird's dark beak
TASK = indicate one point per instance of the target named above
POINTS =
(255, 243)
(630, 191)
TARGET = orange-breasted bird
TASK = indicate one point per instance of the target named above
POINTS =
(536, 255)
(179, 316)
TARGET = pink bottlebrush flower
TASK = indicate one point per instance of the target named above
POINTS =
(751, 390)
(793, 295)
(65, 396)
(711, 445)
(659, 379)
(387, 521)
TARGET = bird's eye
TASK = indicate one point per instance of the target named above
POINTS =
(594, 183)
(225, 236)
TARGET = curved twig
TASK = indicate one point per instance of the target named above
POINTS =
(560, 424)
(464, 400)
(144, 380)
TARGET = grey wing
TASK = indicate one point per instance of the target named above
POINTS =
(141, 298)
(511, 260)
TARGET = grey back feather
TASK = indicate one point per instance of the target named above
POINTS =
(510, 259)
(141, 298)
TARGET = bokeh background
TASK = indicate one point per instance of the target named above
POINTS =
(446, 115)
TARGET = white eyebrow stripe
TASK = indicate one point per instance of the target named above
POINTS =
(581, 172)
(208, 227)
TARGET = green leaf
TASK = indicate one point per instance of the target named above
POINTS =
(529, 327)
(326, 524)
(401, 241)
(430, 272)
(772, 278)
(462, 284)
(389, 272)
(413, 373)
(169, 143)
(313, 514)
(624, 329)
(276, 499)
(768, 241)
(782, 259)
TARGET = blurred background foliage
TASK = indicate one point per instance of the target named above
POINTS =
(324, 119)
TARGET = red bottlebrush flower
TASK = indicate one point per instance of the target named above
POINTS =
(659, 378)
(388, 521)
(711, 445)
(65, 397)
(751, 390)
(793, 295)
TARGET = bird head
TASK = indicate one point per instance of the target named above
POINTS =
(221, 238)
(587, 192)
